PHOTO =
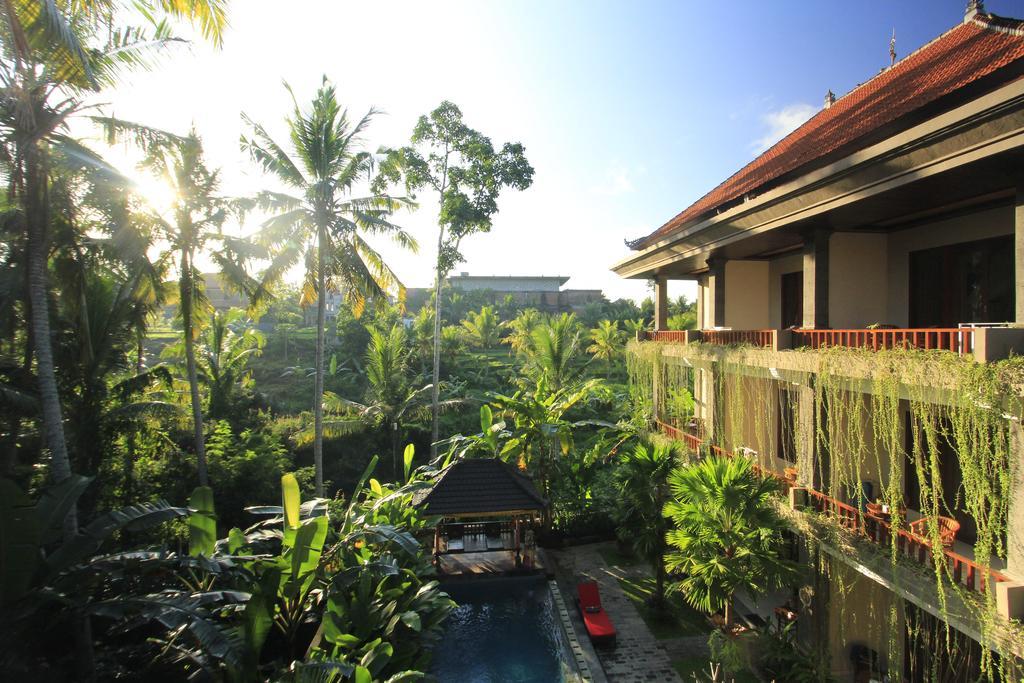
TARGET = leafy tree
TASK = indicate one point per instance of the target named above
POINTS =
(462, 167)
(323, 222)
(728, 533)
(643, 484)
(55, 56)
(483, 329)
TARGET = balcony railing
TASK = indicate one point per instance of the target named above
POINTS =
(765, 338)
(957, 340)
(675, 336)
(965, 571)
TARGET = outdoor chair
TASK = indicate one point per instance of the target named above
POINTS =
(948, 528)
(595, 618)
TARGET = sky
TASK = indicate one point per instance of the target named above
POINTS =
(628, 111)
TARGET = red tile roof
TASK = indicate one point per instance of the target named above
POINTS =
(961, 56)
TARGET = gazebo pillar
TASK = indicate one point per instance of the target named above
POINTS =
(660, 303)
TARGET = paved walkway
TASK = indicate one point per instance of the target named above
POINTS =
(638, 657)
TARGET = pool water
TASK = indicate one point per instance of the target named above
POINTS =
(503, 631)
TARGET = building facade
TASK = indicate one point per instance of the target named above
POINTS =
(861, 301)
(543, 292)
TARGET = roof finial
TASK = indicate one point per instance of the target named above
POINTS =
(830, 99)
(892, 48)
(974, 7)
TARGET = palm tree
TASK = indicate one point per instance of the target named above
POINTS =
(483, 329)
(728, 533)
(642, 478)
(606, 341)
(389, 401)
(197, 213)
(634, 327)
(536, 417)
(323, 221)
(224, 350)
(554, 350)
(520, 336)
(55, 55)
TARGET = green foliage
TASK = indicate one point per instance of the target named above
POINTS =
(483, 329)
(727, 535)
(642, 476)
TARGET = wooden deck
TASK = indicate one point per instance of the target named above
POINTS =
(490, 563)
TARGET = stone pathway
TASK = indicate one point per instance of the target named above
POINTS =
(638, 657)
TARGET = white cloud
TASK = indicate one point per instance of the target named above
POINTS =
(782, 122)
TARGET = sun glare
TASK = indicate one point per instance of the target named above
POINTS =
(158, 194)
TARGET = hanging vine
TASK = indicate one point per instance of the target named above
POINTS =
(960, 414)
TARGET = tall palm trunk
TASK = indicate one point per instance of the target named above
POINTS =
(435, 394)
(187, 303)
(36, 217)
(318, 382)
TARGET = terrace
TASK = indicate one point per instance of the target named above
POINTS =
(879, 530)
(982, 342)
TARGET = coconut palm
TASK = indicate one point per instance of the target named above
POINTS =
(642, 477)
(606, 341)
(728, 533)
(55, 55)
(483, 329)
(193, 225)
(553, 353)
(520, 336)
(390, 399)
(634, 327)
(322, 222)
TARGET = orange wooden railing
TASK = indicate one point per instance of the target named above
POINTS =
(765, 338)
(676, 336)
(965, 571)
(957, 340)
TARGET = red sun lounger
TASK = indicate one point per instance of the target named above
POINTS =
(599, 626)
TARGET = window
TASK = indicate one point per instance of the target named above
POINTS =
(787, 422)
(969, 282)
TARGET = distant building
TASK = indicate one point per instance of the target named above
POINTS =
(543, 292)
(220, 298)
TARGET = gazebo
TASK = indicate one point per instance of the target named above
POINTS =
(484, 505)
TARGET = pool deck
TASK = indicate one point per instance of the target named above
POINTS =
(638, 657)
(491, 563)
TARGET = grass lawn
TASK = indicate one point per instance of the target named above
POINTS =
(678, 621)
(613, 557)
(686, 668)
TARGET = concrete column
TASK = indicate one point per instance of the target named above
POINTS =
(702, 284)
(660, 303)
(1018, 251)
(716, 277)
(816, 279)
(805, 436)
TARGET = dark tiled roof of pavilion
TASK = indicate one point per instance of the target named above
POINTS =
(479, 486)
(976, 48)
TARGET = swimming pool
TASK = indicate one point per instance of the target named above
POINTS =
(503, 631)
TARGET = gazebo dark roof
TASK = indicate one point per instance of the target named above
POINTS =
(480, 487)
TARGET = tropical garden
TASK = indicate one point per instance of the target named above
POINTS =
(202, 490)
